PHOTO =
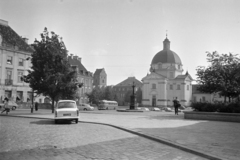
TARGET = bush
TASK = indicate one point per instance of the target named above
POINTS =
(216, 107)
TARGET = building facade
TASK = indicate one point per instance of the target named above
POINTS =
(83, 76)
(198, 96)
(124, 87)
(166, 80)
(14, 53)
(100, 78)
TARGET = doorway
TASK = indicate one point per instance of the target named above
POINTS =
(154, 100)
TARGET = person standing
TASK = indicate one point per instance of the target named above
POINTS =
(176, 105)
(6, 108)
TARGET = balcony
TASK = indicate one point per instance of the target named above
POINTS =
(8, 82)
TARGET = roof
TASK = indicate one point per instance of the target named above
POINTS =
(129, 81)
(184, 76)
(98, 71)
(77, 62)
(11, 38)
(166, 55)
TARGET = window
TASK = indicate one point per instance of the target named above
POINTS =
(171, 87)
(153, 86)
(188, 87)
(179, 66)
(9, 74)
(171, 75)
(9, 60)
(20, 61)
(103, 81)
(20, 75)
(178, 87)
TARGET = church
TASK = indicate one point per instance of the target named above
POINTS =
(166, 80)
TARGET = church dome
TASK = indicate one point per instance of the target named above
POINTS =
(166, 55)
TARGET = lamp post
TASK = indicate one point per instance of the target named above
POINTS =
(132, 98)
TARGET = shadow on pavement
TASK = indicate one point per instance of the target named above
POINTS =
(167, 117)
(50, 122)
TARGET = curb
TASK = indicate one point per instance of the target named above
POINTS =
(139, 133)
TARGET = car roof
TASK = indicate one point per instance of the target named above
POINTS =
(66, 101)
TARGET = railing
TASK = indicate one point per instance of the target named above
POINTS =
(8, 82)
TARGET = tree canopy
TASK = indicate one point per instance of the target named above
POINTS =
(222, 75)
(51, 73)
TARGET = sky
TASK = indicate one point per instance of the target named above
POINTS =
(122, 36)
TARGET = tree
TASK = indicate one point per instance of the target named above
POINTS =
(95, 95)
(51, 73)
(221, 76)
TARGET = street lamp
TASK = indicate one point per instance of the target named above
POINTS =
(132, 98)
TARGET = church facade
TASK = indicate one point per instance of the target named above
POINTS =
(166, 80)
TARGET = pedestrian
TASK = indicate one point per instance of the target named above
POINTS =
(6, 108)
(176, 104)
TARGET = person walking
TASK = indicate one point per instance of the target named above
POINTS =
(6, 108)
(176, 104)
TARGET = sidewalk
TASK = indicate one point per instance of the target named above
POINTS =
(209, 139)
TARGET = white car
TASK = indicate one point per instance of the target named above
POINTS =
(143, 108)
(66, 110)
(85, 107)
(167, 109)
(11, 104)
(155, 109)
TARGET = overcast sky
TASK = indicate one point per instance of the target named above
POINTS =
(123, 36)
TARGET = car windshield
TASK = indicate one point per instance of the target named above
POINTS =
(66, 105)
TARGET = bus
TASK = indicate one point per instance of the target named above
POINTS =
(105, 104)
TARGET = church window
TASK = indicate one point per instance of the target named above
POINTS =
(178, 87)
(171, 87)
(188, 87)
(153, 86)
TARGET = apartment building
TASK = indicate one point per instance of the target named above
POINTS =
(83, 76)
(14, 55)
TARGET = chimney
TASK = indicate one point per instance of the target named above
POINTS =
(2, 22)
(25, 39)
(71, 56)
(75, 57)
(79, 59)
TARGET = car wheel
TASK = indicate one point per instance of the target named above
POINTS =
(56, 121)
(85, 109)
(14, 107)
(76, 121)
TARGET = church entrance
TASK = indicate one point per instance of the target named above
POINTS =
(154, 100)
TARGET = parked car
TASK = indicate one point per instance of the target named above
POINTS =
(167, 109)
(66, 110)
(154, 109)
(11, 104)
(85, 107)
(143, 108)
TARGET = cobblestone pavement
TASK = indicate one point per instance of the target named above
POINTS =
(30, 139)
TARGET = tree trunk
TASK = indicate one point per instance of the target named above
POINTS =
(52, 104)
